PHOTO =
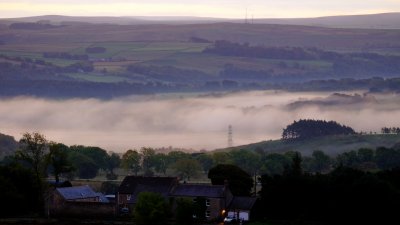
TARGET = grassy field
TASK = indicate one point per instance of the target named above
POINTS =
(170, 45)
(331, 145)
(185, 55)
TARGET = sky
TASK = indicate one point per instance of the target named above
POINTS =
(202, 8)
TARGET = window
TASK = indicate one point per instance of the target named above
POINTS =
(128, 197)
(207, 202)
(194, 216)
(207, 214)
(195, 200)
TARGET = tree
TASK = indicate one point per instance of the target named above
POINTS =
(131, 160)
(205, 161)
(33, 150)
(148, 160)
(387, 158)
(347, 159)
(98, 155)
(187, 168)
(161, 163)
(113, 161)
(295, 168)
(221, 158)
(21, 194)
(247, 160)
(58, 160)
(320, 161)
(174, 156)
(150, 209)
(275, 163)
(86, 167)
(184, 211)
(365, 155)
(240, 182)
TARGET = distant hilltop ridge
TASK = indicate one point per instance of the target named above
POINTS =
(367, 21)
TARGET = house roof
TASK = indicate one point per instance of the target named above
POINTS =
(134, 185)
(244, 203)
(199, 190)
(78, 192)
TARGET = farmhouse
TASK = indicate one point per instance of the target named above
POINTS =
(214, 197)
(217, 199)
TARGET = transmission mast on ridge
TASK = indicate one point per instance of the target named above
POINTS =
(230, 139)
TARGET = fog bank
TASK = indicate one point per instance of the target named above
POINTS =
(187, 121)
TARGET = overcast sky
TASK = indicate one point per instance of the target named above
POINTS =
(205, 8)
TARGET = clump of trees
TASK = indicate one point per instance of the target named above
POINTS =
(304, 129)
(344, 194)
(390, 130)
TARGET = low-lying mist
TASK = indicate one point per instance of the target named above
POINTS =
(188, 121)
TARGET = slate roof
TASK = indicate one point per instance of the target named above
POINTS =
(78, 192)
(244, 203)
(134, 185)
(199, 190)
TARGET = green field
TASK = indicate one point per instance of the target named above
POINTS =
(184, 55)
(331, 145)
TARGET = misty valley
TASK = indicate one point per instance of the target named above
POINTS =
(170, 120)
(191, 121)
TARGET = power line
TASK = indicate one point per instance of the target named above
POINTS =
(230, 138)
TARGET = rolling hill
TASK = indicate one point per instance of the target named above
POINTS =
(368, 21)
(331, 145)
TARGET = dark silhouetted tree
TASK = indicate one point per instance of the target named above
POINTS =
(239, 181)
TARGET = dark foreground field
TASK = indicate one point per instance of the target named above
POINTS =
(17, 221)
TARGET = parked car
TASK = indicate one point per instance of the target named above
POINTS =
(230, 219)
(124, 210)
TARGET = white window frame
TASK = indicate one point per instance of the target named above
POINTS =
(207, 202)
(128, 197)
(208, 213)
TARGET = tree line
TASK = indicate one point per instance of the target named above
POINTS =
(390, 130)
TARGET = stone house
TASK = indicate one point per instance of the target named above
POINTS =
(216, 198)
(131, 186)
